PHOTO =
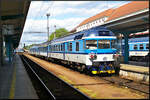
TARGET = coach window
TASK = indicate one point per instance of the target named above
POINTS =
(103, 44)
(77, 46)
(70, 46)
(91, 44)
(55, 47)
(147, 46)
(61, 47)
(135, 47)
(52, 48)
(141, 47)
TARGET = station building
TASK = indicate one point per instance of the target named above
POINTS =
(124, 20)
(132, 8)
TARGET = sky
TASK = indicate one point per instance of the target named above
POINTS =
(63, 14)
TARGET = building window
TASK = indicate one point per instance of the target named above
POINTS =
(141, 46)
(77, 46)
(147, 46)
(135, 47)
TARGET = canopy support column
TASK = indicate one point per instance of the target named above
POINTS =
(126, 48)
(1, 43)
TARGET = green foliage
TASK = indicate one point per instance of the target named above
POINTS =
(28, 47)
(59, 33)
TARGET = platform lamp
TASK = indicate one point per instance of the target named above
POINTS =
(47, 25)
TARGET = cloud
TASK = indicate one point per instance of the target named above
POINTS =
(63, 14)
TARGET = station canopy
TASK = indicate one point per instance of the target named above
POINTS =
(13, 15)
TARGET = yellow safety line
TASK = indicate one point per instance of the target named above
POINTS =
(12, 89)
(82, 89)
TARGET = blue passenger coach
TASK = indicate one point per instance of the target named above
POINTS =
(90, 50)
(138, 48)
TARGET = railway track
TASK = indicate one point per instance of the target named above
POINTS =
(48, 85)
(141, 87)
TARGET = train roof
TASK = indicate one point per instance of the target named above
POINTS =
(85, 33)
(141, 39)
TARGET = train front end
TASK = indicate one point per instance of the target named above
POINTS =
(101, 51)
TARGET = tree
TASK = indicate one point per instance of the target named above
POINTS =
(58, 33)
(28, 47)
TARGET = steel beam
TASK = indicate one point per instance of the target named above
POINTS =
(12, 17)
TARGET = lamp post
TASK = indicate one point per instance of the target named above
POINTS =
(47, 25)
(55, 32)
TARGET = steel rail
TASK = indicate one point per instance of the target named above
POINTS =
(125, 84)
(49, 92)
(83, 96)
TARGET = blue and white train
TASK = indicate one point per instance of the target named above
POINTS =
(90, 50)
(138, 47)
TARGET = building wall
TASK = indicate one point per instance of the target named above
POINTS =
(94, 23)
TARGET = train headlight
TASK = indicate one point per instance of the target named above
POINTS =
(91, 56)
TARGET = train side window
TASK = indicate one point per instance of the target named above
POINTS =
(147, 46)
(61, 47)
(70, 47)
(135, 47)
(141, 46)
(77, 46)
(55, 47)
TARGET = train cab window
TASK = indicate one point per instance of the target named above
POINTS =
(135, 47)
(103, 44)
(113, 44)
(141, 46)
(91, 44)
(147, 46)
(77, 46)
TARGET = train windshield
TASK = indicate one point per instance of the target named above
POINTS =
(103, 44)
(91, 44)
(113, 44)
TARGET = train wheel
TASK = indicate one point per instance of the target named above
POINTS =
(82, 69)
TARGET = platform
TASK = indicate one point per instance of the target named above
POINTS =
(140, 69)
(138, 73)
(15, 82)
